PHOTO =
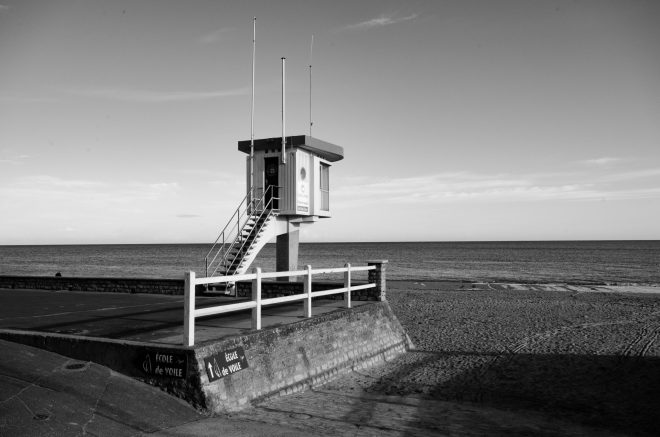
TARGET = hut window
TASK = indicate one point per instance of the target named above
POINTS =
(325, 187)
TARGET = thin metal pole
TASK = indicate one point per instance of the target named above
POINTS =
(283, 110)
(311, 55)
(254, 50)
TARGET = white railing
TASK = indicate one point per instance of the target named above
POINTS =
(190, 313)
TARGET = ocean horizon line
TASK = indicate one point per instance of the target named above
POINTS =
(350, 242)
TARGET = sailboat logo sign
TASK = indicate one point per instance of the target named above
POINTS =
(225, 363)
(166, 364)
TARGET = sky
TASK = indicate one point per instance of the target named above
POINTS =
(460, 120)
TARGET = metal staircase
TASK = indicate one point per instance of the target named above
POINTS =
(250, 227)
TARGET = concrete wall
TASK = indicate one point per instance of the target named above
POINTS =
(278, 289)
(304, 354)
(115, 285)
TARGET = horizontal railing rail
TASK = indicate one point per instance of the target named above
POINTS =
(191, 312)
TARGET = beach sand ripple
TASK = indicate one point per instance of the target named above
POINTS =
(577, 354)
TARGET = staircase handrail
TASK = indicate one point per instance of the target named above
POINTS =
(231, 221)
(241, 240)
(265, 209)
(256, 204)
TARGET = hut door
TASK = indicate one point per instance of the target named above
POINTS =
(272, 168)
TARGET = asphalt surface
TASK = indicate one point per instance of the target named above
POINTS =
(137, 317)
(45, 394)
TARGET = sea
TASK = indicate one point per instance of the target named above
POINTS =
(577, 262)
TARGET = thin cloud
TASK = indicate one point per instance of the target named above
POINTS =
(632, 175)
(15, 99)
(380, 21)
(16, 160)
(38, 187)
(465, 186)
(600, 162)
(215, 36)
(89, 206)
(4, 8)
(186, 216)
(210, 173)
(164, 186)
(40, 182)
(144, 96)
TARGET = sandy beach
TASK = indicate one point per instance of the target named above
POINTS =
(572, 353)
(501, 359)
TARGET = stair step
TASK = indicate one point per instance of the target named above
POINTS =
(235, 251)
(236, 258)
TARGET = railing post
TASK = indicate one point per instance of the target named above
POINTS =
(308, 292)
(256, 296)
(189, 310)
(238, 225)
(347, 284)
(377, 277)
(251, 199)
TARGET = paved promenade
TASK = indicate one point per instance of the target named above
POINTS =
(137, 317)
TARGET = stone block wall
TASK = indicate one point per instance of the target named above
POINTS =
(114, 285)
(271, 289)
(302, 355)
(378, 277)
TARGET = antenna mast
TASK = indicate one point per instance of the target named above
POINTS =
(254, 50)
(283, 111)
(311, 55)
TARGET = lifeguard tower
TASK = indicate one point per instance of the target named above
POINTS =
(291, 187)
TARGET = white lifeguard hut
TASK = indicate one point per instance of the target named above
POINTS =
(301, 180)
(291, 188)
(288, 185)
